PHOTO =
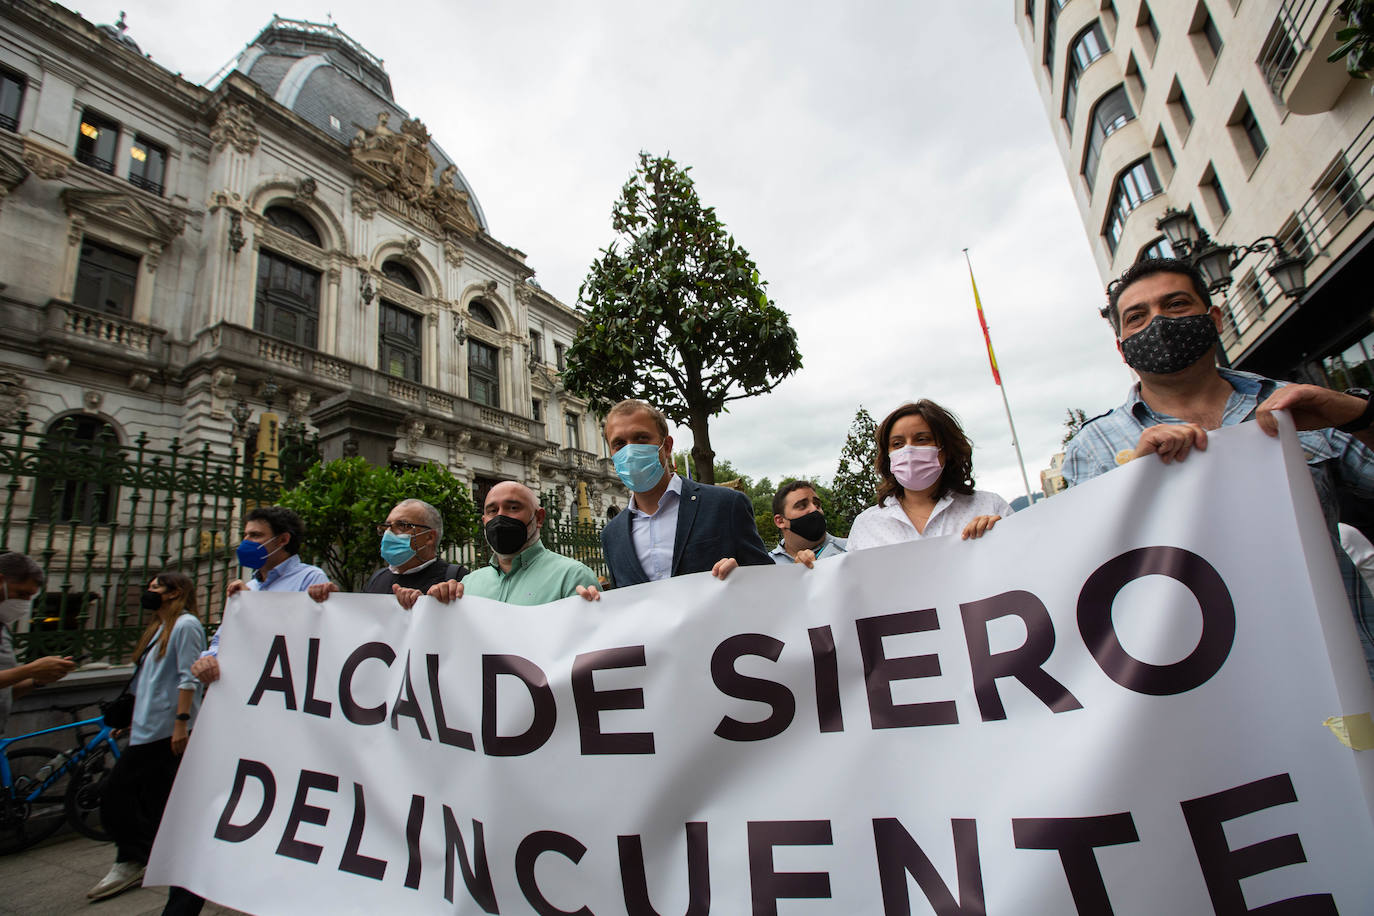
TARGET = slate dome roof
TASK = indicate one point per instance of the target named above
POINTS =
(336, 84)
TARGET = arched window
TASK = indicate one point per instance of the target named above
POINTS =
(1112, 112)
(1159, 248)
(1136, 184)
(399, 272)
(1088, 45)
(481, 313)
(293, 223)
(77, 479)
(288, 299)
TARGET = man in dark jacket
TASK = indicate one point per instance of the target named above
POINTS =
(410, 539)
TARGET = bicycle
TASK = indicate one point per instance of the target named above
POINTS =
(41, 787)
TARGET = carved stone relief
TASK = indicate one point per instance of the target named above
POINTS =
(235, 125)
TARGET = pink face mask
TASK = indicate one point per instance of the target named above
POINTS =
(915, 466)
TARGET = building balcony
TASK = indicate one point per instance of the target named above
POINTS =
(69, 330)
(1294, 56)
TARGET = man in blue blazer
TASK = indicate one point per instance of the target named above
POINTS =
(672, 526)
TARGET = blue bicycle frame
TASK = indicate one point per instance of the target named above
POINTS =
(104, 736)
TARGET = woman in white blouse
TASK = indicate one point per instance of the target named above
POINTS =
(925, 489)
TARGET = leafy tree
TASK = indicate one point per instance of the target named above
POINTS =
(1073, 422)
(674, 312)
(855, 486)
(343, 501)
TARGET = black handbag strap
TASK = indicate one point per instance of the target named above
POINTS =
(137, 665)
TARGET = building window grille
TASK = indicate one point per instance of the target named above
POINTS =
(1112, 112)
(399, 342)
(293, 223)
(86, 501)
(1089, 45)
(97, 141)
(1137, 184)
(1278, 55)
(1338, 196)
(484, 381)
(11, 99)
(147, 165)
(106, 280)
(288, 300)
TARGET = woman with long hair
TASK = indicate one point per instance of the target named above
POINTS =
(925, 488)
(166, 699)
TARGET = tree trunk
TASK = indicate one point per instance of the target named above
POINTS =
(703, 456)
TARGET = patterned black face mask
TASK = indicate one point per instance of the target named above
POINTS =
(1169, 345)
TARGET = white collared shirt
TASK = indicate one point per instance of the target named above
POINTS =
(654, 535)
(877, 526)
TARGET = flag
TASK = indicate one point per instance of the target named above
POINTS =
(983, 321)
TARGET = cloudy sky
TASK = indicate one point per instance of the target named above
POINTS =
(854, 149)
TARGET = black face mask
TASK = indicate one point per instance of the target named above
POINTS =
(1169, 345)
(809, 527)
(151, 600)
(506, 535)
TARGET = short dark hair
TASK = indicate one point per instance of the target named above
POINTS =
(19, 567)
(1148, 268)
(957, 474)
(788, 488)
(282, 521)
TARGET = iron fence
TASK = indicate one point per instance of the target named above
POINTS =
(103, 518)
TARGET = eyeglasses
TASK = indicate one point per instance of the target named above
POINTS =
(402, 528)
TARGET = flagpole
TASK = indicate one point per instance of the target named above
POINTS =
(997, 377)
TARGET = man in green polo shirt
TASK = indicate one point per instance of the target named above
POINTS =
(521, 570)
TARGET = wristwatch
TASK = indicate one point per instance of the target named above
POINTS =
(183, 717)
(1366, 417)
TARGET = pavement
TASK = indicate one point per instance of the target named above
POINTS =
(51, 879)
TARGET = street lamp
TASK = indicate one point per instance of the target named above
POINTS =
(1215, 261)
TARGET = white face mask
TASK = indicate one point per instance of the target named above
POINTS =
(13, 610)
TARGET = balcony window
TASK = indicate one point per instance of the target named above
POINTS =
(11, 99)
(1137, 184)
(1089, 45)
(1112, 112)
(97, 141)
(398, 342)
(1277, 56)
(1338, 196)
(560, 355)
(537, 410)
(572, 433)
(536, 347)
(147, 165)
(484, 380)
(106, 280)
(288, 299)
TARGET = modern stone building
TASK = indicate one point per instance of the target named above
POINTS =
(1226, 111)
(170, 252)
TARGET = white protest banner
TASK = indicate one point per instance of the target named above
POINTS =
(1112, 703)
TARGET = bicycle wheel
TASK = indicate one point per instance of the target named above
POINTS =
(85, 792)
(23, 820)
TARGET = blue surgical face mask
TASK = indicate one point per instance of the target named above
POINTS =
(396, 549)
(638, 466)
(253, 555)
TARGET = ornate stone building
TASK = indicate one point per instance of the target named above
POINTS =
(169, 252)
(1227, 113)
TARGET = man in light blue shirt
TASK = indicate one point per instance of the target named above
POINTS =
(798, 515)
(272, 537)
